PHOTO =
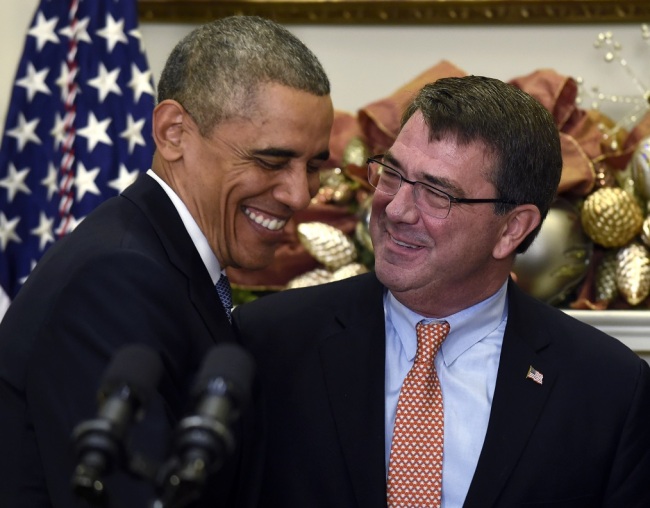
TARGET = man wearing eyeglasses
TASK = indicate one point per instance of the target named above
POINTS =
(519, 405)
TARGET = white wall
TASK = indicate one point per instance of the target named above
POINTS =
(366, 63)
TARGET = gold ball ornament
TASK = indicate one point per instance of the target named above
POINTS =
(611, 217)
(645, 231)
(640, 168)
(558, 259)
(633, 272)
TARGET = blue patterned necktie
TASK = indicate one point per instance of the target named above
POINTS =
(225, 294)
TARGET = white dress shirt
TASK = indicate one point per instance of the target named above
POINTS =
(466, 365)
(198, 238)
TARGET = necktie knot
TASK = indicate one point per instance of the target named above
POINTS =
(225, 294)
(430, 338)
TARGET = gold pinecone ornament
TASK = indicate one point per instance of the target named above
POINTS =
(606, 289)
(327, 244)
(312, 278)
(633, 272)
(611, 217)
(332, 249)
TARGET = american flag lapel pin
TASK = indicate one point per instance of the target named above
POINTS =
(535, 375)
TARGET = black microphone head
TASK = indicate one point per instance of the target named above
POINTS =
(137, 366)
(233, 364)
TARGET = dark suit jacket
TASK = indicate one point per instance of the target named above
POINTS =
(128, 273)
(581, 439)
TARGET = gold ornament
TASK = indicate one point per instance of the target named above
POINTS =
(625, 181)
(349, 271)
(640, 168)
(355, 153)
(611, 217)
(327, 244)
(558, 258)
(605, 284)
(645, 231)
(633, 272)
(335, 188)
(311, 278)
(362, 230)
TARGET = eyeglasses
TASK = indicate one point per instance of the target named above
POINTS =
(427, 198)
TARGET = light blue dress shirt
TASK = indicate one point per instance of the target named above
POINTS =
(466, 365)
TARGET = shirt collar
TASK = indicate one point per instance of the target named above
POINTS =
(467, 327)
(198, 238)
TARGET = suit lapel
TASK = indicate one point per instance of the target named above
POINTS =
(353, 366)
(517, 404)
(149, 196)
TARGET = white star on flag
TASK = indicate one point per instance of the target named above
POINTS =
(135, 33)
(58, 131)
(8, 230)
(43, 30)
(133, 132)
(65, 76)
(34, 81)
(51, 181)
(140, 82)
(44, 230)
(124, 179)
(78, 31)
(95, 131)
(25, 132)
(14, 182)
(106, 82)
(85, 181)
(78, 128)
(113, 32)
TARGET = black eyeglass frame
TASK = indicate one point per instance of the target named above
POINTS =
(452, 199)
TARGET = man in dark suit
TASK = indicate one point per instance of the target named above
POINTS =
(539, 409)
(241, 127)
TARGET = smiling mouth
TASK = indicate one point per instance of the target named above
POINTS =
(403, 244)
(267, 222)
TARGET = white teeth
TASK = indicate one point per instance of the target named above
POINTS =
(270, 224)
(402, 244)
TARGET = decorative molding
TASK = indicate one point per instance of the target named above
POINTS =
(404, 12)
(630, 327)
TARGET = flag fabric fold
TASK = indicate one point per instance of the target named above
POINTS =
(78, 126)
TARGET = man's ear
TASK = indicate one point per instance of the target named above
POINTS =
(520, 222)
(168, 118)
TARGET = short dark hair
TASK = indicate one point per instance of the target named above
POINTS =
(518, 131)
(215, 71)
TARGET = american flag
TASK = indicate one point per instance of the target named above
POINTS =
(78, 127)
(535, 375)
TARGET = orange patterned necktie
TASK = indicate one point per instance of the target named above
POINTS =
(415, 465)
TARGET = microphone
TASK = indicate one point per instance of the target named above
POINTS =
(204, 439)
(129, 382)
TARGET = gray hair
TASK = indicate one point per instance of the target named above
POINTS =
(216, 70)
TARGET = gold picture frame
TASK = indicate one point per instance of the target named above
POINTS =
(402, 12)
